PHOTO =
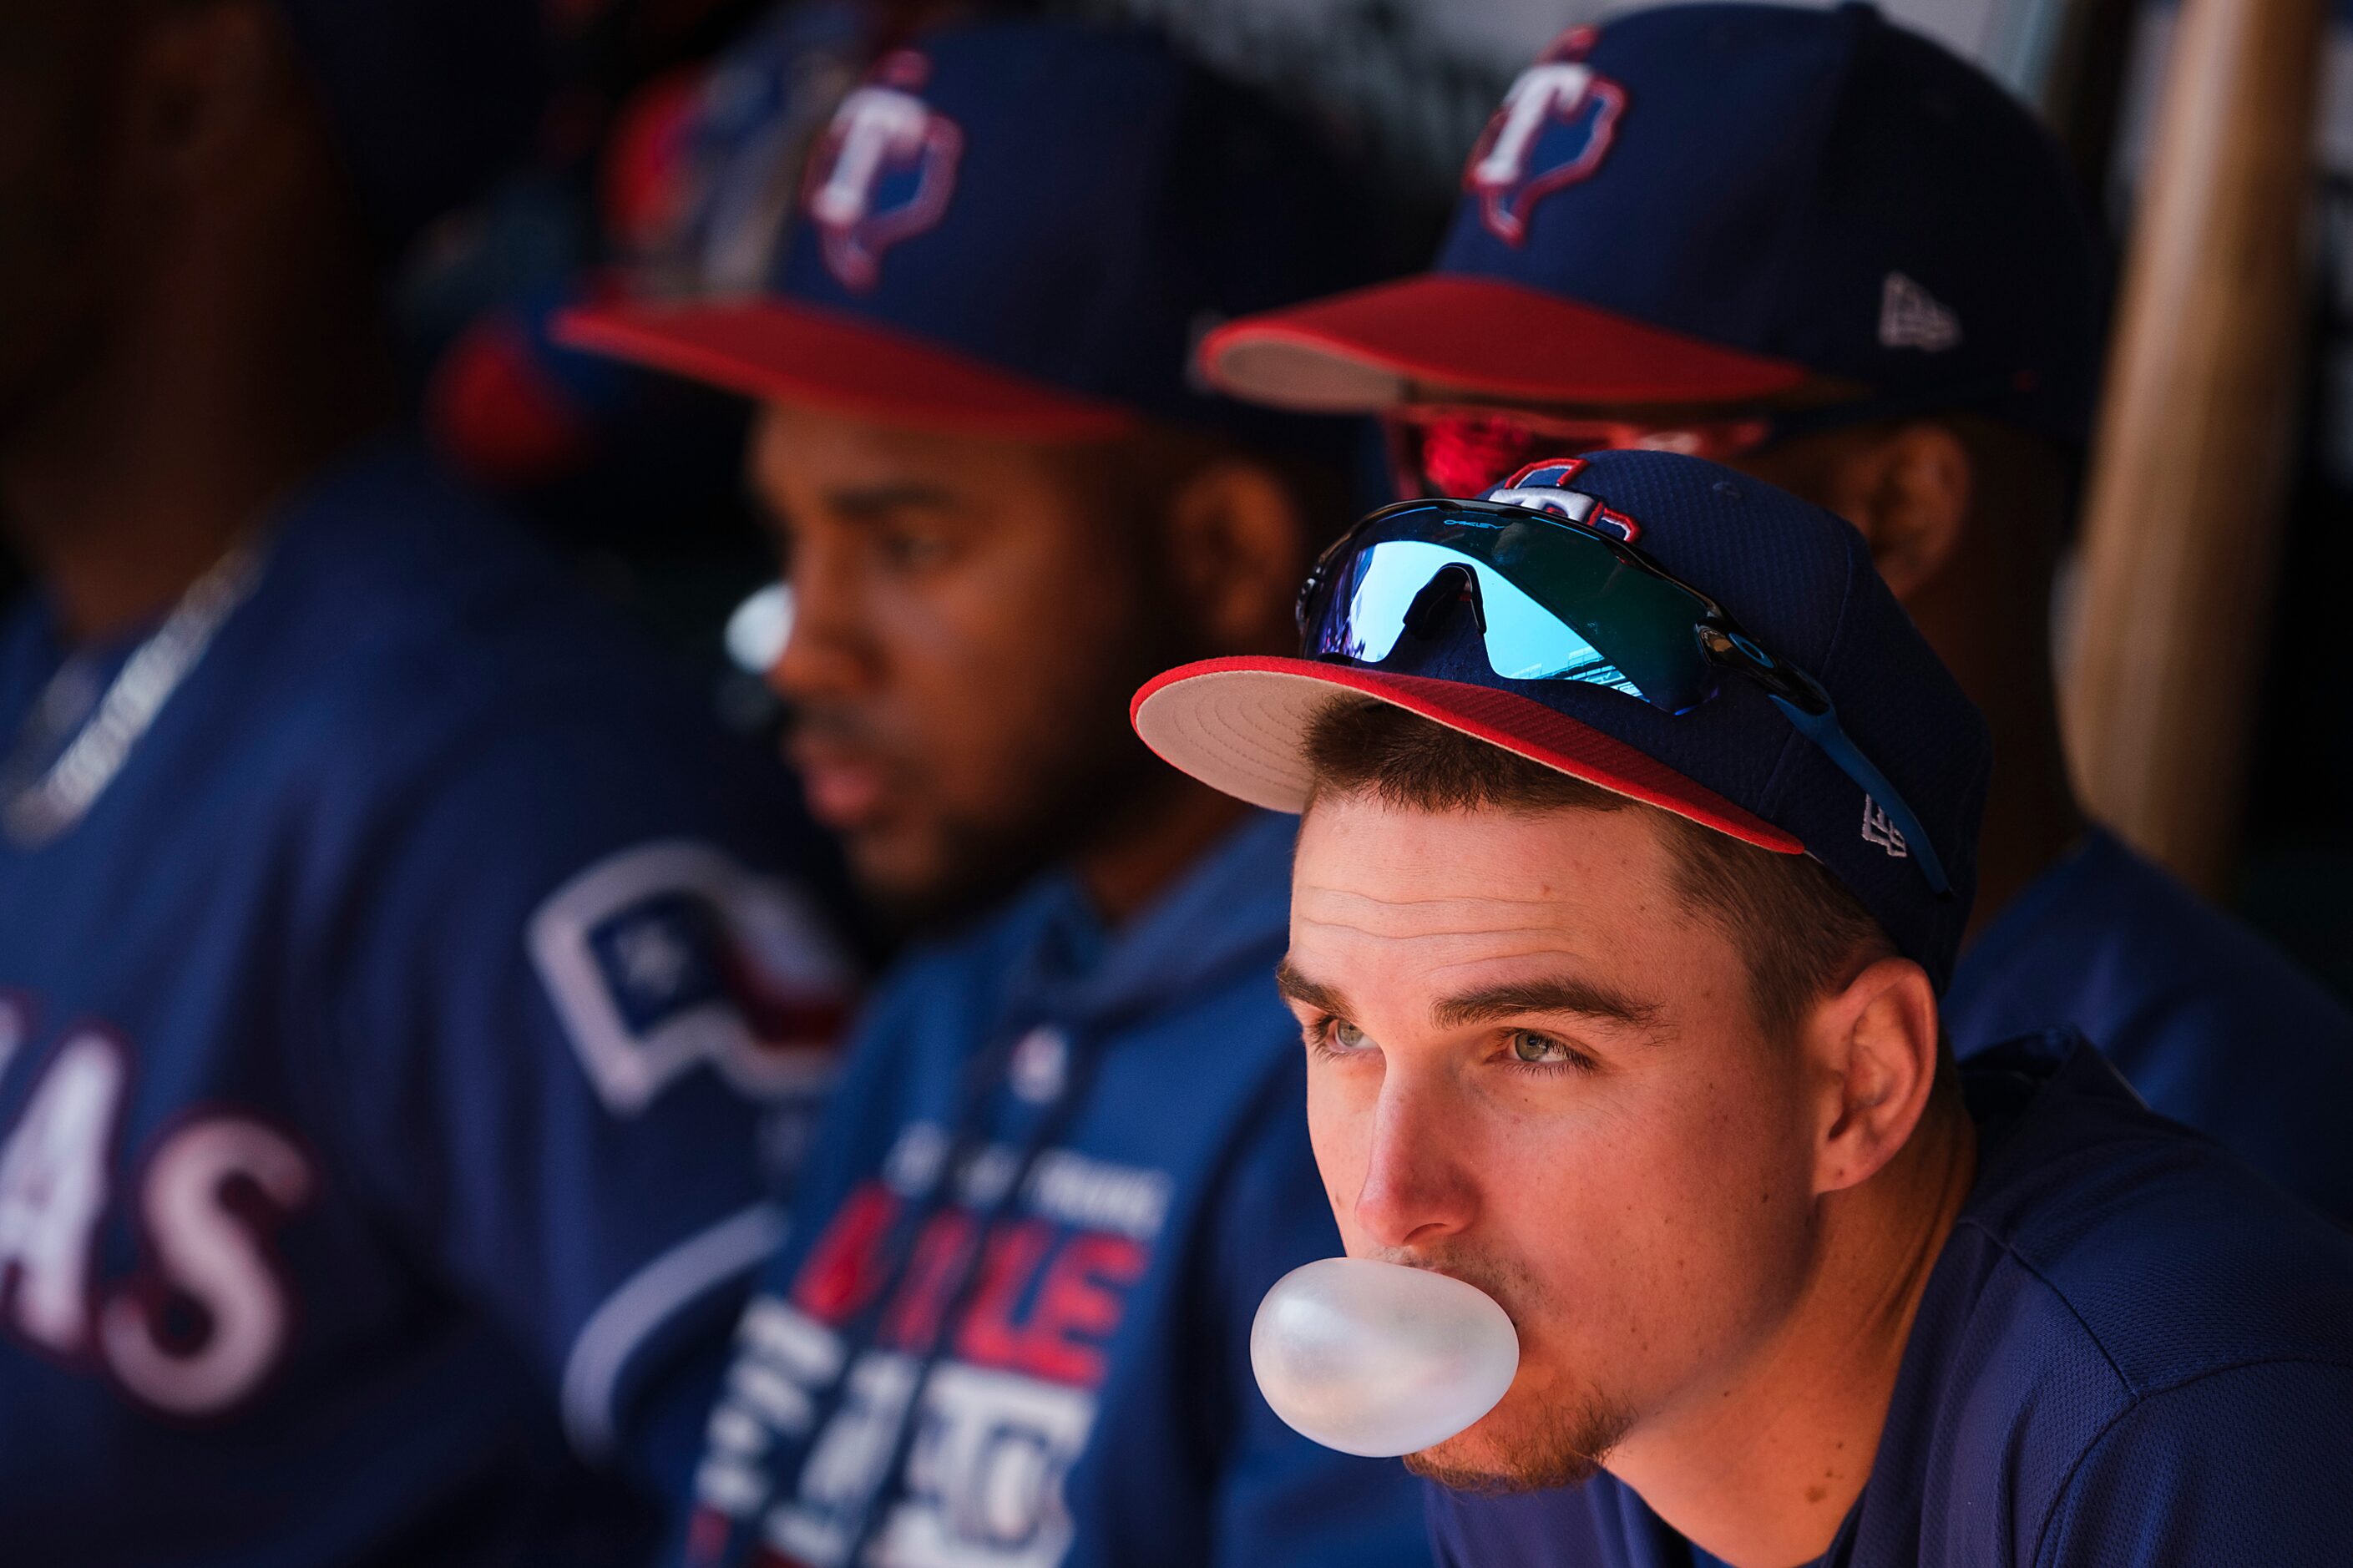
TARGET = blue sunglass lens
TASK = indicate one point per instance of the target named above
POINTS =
(1373, 599)
(1651, 624)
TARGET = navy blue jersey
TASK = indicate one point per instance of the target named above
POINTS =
(384, 1060)
(2213, 1026)
(2133, 1351)
(1063, 1167)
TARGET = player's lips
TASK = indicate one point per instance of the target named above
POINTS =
(844, 787)
(841, 794)
(1481, 1278)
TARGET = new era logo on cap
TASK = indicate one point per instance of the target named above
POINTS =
(883, 173)
(1877, 829)
(1554, 129)
(1910, 318)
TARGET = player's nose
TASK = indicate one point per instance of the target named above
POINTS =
(831, 651)
(1416, 1188)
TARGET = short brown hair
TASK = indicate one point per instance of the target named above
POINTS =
(1797, 927)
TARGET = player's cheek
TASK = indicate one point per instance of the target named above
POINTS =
(1689, 1263)
(1565, 1211)
(1341, 1097)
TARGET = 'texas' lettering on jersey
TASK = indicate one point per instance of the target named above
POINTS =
(1010, 1399)
(204, 1318)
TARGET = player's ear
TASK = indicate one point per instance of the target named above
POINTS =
(1909, 492)
(1871, 1052)
(1235, 553)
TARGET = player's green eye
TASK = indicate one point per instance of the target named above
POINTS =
(1336, 1039)
(1528, 1045)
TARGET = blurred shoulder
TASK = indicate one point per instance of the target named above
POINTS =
(2187, 957)
(399, 584)
(417, 640)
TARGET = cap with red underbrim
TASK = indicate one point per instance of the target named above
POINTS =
(1373, 348)
(1239, 725)
(789, 352)
(1704, 204)
(1799, 582)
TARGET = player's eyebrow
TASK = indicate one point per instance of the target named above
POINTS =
(864, 501)
(1545, 993)
(1297, 987)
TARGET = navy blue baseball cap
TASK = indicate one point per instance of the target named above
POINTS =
(1717, 203)
(1013, 228)
(1797, 580)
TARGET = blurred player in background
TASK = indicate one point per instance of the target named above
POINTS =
(1828, 252)
(406, 1002)
(1010, 1322)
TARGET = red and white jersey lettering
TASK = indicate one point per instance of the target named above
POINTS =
(204, 1320)
(1011, 1396)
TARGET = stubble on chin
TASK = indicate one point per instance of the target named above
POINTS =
(1555, 1446)
(1539, 1437)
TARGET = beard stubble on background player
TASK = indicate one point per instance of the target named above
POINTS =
(957, 860)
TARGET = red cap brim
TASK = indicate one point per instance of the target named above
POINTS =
(1369, 349)
(1239, 725)
(783, 352)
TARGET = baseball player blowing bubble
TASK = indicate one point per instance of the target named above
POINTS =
(1639, 829)
(397, 979)
(1824, 250)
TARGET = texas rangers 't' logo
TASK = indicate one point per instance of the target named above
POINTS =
(1544, 486)
(882, 171)
(1553, 130)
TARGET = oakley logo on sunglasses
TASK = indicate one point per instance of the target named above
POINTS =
(882, 172)
(1553, 130)
(1543, 487)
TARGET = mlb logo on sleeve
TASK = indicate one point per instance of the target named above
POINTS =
(670, 955)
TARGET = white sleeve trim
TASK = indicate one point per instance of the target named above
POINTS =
(613, 1333)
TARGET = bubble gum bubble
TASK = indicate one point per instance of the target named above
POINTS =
(1379, 1360)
